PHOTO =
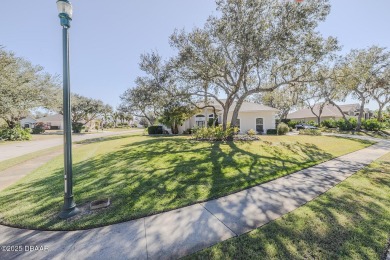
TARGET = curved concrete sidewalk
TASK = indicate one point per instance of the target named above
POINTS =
(183, 231)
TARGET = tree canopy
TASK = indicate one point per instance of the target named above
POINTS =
(24, 87)
(252, 47)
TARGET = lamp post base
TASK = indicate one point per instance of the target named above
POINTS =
(69, 209)
(68, 213)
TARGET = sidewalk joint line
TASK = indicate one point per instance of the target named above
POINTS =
(218, 219)
(146, 241)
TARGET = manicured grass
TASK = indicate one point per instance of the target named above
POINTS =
(351, 221)
(122, 129)
(145, 175)
(375, 134)
(21, 159)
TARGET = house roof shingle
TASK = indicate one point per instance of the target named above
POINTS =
(328, 111)
(51, 118)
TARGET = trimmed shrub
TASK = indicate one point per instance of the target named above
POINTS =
(214, 133)
(282, 129)
(344, 126)
(309, 132)
(292, 123)
(15, 134)
(188, 131)
(251, 132)
(272, 132)
(39, 128)
(155, 130)
(329, 123)
(210, 123)
(372, 125)
(77, 127)
(312, 123)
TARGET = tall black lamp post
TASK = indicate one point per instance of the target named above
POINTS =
(69, 209)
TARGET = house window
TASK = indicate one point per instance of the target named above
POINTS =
(200, 123)
(211, 116)
(200, 120)
(259, 125)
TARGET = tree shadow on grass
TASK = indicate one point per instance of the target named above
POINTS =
(349, 222)
(154, 175)
(106, 139)
(357, 139)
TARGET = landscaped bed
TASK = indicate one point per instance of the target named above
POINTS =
(351, 221)
(145, 175)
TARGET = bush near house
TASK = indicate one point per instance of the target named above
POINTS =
(15, 134)
(39, 128)
(188, 131)
(310, 132)
(372, 125)
(272, 132)
(77, 127)
(282, 129)
(155, 130)
(292, 123)
(211, 122)
(214, 133)
(344, 126)
(312, 123)
(251, 132)
(329, 123)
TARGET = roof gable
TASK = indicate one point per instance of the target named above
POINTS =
(56, 117)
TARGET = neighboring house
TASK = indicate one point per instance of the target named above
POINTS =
(251, 116)
(329, 112)
(52, 122)
(27, 122)
(55, 122)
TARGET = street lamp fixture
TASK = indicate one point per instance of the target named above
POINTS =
(69, 209)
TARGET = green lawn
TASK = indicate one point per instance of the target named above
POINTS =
(351, 221)
(145, 175)
(375, 134)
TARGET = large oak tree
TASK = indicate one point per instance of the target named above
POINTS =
(251, 47)
(24, 87)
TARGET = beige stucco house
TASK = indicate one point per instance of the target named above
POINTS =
(52, 121)
(251, 116)
(56, 122)
(27, 122)
(329, 112)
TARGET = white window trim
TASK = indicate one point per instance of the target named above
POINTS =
(261, 124)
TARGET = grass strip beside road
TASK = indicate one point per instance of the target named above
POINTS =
(21, 159)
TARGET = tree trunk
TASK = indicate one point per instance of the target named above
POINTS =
(224, 118)
(238, 105)
(341, 111)
(236, 110)
(319, 116)
(284, 114)
(361, 110)
(380, 113)
(228, 103)
(11, 123)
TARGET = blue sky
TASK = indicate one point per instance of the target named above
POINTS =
(107, 39)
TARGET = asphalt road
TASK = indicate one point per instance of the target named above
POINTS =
(16, 149)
